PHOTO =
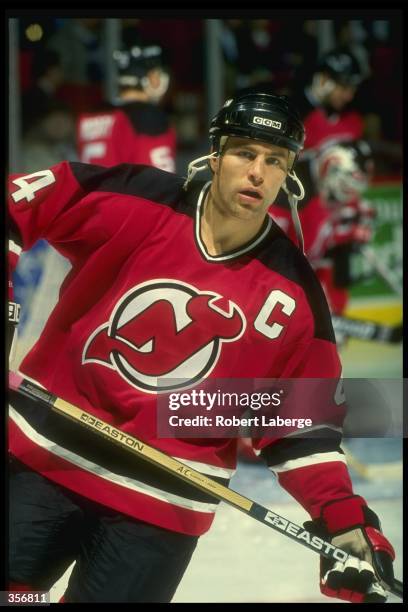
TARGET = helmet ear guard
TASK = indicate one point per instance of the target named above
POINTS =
(322, 86)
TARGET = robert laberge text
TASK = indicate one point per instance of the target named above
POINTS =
(234, 421)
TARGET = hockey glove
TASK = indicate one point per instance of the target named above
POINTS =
(349, 524)
(349, 226)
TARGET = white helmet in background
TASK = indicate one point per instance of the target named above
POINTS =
(142, 68)
(344, 171)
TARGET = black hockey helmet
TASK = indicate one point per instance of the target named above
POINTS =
(342, 67)
(260, 116)
(134, 63)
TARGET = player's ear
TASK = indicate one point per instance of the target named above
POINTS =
(213, 162)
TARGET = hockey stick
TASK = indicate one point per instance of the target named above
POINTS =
(373, 471)
(381, 269)
(184, 472)
(367, 330)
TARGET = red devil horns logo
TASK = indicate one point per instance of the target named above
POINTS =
(165, 330)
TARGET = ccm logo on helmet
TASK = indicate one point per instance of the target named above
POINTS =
(268, 122)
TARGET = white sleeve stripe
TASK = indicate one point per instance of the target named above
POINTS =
(14, 248)
(314, 428)
(103, 473)
(205, 468)
(293, 464)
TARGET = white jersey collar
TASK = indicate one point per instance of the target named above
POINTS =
(233, 254)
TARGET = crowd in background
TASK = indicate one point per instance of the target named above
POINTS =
(62, 74)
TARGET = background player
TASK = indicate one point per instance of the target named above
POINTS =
(337, 220)
(326, 108)
(135, 129)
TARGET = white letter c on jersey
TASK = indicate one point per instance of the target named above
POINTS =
(275, 297)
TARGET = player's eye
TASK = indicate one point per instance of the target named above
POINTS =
(278, 162)
(245, 154)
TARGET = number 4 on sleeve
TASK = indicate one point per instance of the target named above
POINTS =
(30, 184)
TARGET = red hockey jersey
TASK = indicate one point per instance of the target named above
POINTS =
(145, 299)
(135, 133)
(323, 129)
(315, 221)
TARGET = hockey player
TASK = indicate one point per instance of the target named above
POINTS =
(326, 109)
(134, 130)
(337, 221)
(171, 278)
(326, 104)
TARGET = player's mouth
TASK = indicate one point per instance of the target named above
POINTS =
(250, 196)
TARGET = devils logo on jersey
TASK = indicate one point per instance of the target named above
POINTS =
(165, 329)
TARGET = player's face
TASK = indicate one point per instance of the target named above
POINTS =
(247, 177)
(341, 95)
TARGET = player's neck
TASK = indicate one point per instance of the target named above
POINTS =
(223, 233)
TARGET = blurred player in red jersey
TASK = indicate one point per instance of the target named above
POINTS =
(336, 221)
(172, 277)
(326, 106)
(135, 130)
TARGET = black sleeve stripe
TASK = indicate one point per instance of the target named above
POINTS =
(14, 232)
(291, 448)
(130, 179)
(97, 450)
(282, 256)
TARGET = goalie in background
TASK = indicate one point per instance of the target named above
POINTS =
(337, 221)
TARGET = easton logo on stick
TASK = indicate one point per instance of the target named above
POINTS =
(305, 536)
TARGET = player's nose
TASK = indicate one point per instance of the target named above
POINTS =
(256, 170)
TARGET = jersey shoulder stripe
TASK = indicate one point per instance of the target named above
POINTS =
(141, 181)
(138, 180)
(281, 255)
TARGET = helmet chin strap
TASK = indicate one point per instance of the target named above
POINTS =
(293, 201)
(193, 168)
(292, 197)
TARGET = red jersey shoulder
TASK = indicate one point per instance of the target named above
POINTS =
(293, 270)
(322, 129)
(29, 190)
